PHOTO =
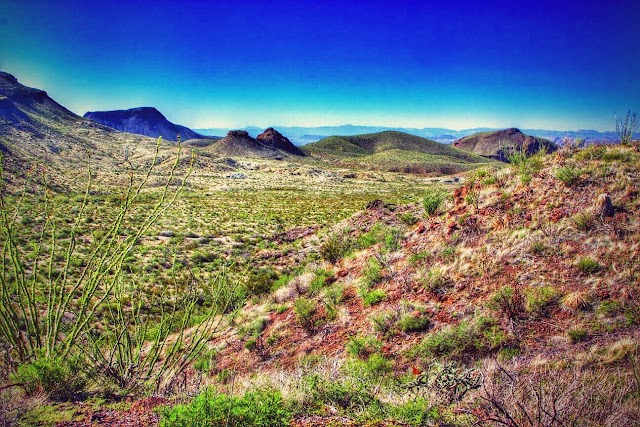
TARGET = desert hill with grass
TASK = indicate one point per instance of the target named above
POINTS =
(146, 121)
(508, 298)
(499, 145)
(525, 276)
(393, 151)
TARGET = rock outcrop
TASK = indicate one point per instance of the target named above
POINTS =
(274, 139)
(499, 145)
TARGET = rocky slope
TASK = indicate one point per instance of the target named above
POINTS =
(143, 121)
(272, 138)
(499, 145)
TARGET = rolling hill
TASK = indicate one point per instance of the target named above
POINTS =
(393, 151)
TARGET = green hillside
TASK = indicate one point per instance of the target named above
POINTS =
(393, 151)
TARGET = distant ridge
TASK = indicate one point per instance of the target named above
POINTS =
(143, 121)
(499, 145)
(300, 135)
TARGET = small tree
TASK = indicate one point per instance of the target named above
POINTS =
(627, 125)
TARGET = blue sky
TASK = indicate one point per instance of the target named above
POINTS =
(456, 64)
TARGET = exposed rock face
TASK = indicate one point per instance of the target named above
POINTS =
(274, 139)
(500, 144)
(143, 121)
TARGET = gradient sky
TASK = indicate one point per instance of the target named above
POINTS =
(456, 64)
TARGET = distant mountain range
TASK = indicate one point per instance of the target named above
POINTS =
(304, 135)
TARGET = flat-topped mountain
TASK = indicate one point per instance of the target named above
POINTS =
(393, 151)
(500, 144)
(143, 121)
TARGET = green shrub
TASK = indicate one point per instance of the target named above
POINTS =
(508, 353)
(59, 378)
(482, 335)
(615, 155)
(210, 409)
(319, 280)
(537, 248)
(332, 299)
(388, 236)
(576, 335)
(509, 301)
(526, 166)
(281, 282)
(592, 152)
(256, 326)
(588, 265)
(537, 299)
(262, 280)
(384, 321)
(448, 253)
(583, 221)
(372, 273)
(372, 297)
(433, 200)
(569, 175)
(408, 218)
(419, 257)
(416, 412)
(377, 365)
(363, 347)
(374, 235)
(436, 280)
(609, 308)
(335, 247)
(305, 311)
(410, 322)
(350, 394)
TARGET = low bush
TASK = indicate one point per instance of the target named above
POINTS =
(335, 247)
(210, 409)
(58, 378)
(509, 301)
(576, 335)
(588, 265)
(460, 341)
(363, 347)
(413, 322)
(305, 311)
(568, 175)
(372, 273)
(433, 200)
(372, 297)
(538, 299)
